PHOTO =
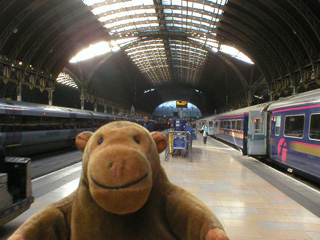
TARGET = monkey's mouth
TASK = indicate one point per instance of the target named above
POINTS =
(120, 187)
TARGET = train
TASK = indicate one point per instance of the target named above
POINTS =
(28, 128)
(285, 132)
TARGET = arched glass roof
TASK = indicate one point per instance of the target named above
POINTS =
(168, 40)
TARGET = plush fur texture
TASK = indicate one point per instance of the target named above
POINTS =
(123, 194)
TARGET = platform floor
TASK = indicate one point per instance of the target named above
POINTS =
(252, 200)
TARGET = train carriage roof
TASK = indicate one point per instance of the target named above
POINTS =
(302, 98)
(40, 109)
(259, 107)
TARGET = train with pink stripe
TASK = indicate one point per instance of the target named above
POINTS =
(286, 131)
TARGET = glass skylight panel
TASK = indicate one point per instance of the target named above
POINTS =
(176, 2)
(220, 2)
(147, 25)
(151, 59)
(198, 40)
(121, 5)
(136, 12)
(92, 51)
(92, 2)
(124, 41)
(229, 50)
(115, 14)
(132, 20)
(195, 18)
(198, 6)
(123, 29)
(66, 79)
(187, 60)
(212, 44)
(235, 53)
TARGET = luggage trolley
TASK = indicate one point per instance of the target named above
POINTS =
(179, 142)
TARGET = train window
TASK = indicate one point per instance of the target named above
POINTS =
(315, 126)
(99, 122)
(2, 123)
(278, 126)
(210, 123)
(48, 123)
(228, 125)
(238, 127)
(258, 125)
(294, 126)
(55, 123)
(80, 123)
(13, 123)
(30, 123)
(64, 123)
(233, 125)
(89, 123)
(84, 123)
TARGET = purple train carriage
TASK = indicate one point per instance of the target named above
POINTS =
(286, 131)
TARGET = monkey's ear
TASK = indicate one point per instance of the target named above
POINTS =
(160, 140)
(82, 140)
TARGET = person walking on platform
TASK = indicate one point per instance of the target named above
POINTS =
(205, 132)
(147, 124)
(190, 129)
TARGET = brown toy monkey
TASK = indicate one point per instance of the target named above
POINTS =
(123, 194)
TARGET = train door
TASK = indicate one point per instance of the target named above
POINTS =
(269, 127)
(257, 133)
(245, 135)
(211, 127)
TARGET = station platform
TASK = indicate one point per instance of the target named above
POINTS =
(251, 199)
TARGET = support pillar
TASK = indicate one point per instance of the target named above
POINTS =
(82, 103)
(82, 96)
(50, 96)
(270, 96)
(249, 99)
(19, 92)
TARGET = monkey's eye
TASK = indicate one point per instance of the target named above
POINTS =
(136, 139)
(100, 140)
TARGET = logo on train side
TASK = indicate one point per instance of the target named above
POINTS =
(282, 150)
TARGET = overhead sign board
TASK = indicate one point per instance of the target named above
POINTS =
(181, 104)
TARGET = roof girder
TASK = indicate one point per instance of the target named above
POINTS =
(269, 38)
(287, 48)
(10, 28)
(301, 35)
(308, 15)
(37, 24)
(60, 38)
